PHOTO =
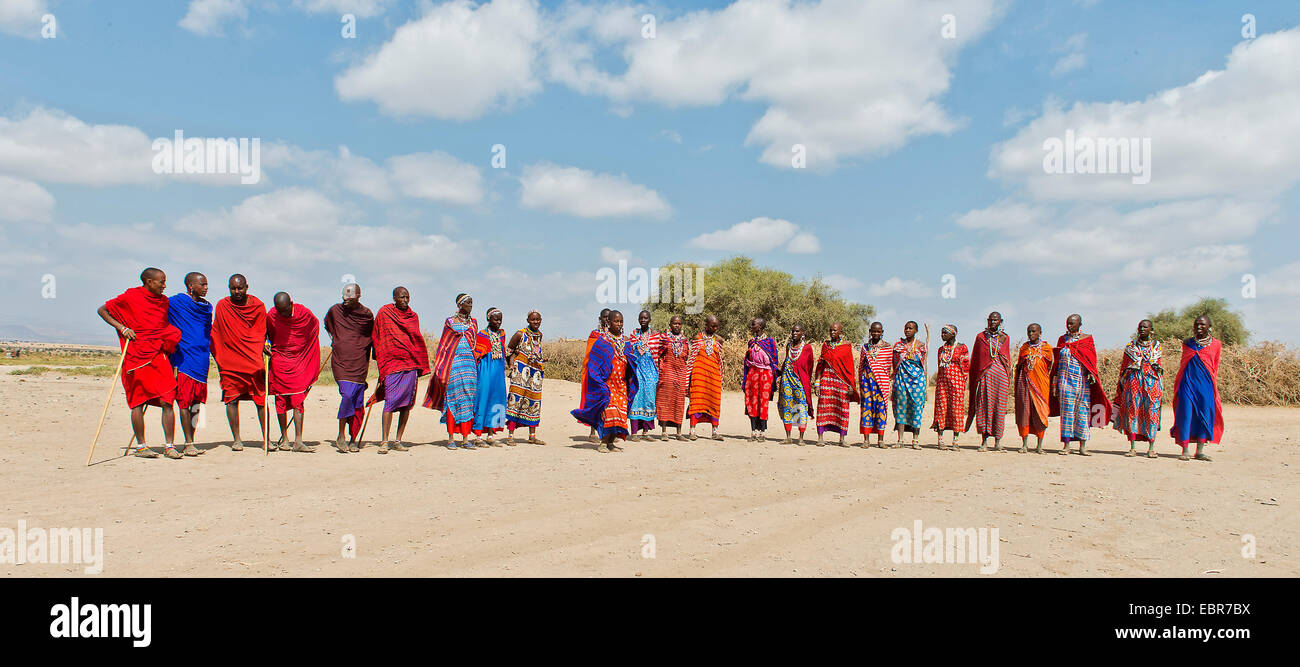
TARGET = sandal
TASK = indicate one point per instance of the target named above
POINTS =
(191, 450)
(602, 449)
(354, 447)
(171, 453)
(236, 446)
(145, 453)
(306, 449)
(536, 441)
(716, 436)
(399, 447)
(383, 447)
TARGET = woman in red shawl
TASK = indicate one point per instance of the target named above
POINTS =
(795, 401)
(1198, 411)
(990, 383)
(670, 401)
(140, 316)
(834, 381)
(1076, 386)
(950, 387)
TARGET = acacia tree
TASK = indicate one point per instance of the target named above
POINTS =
(1228, 325)
(737, 291)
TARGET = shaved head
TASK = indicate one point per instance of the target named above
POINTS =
(150, 273)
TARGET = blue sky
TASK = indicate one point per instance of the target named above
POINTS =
(923, 153)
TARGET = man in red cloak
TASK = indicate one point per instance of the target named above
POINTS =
(140, 317)
(295, 363)
(238, 345)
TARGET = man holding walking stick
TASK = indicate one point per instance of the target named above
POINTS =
(140, 317)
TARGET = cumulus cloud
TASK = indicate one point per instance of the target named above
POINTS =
(759, 235)
(24, 201)
(22, 17)
(437, 176)
(324, 232)
(208, 17)
(456, 62)
(900, 287)
(613, 256)
(586, 194)
(802, 61)
(50, 146)
(1230, 132)
(1074, 58)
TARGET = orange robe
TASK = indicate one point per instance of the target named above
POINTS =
(1033, 387)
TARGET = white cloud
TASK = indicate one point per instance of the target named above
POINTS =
(1231, 132)
(1074, 58)
(899, 287)
(802, 60)
(437, 176)
(50, 146)
(53, 147)
(1061, 241)
(457, 62)
(359, 8)
(587, 194)
(1005, 215)
(302, 227)
(1203, 264)
(24, 201)
(22, 17)
(611, 256)
(759, 235)
(207, 17)
(843, 283)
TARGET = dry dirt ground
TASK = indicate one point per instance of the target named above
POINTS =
(704, 508)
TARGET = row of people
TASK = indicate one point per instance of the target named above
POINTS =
(974, 385)
(485, 383)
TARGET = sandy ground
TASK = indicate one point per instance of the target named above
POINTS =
(732, 508)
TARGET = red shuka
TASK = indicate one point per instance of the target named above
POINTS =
(1086, 352)
(239, 335)
(295, 350)
(399, 345)
(980, 360)
(145, 313)
(840, 359)
(1210, 357)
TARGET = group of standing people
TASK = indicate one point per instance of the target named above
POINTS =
(487, 382)
(483, 381)
(977, 386)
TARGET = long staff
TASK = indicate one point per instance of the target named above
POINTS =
(104, 413)
(365, 421)
(266, 431)
(925, 358)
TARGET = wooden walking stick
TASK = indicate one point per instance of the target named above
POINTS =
(266, 433)
(365, 421)
(104, 413)
(326, 361)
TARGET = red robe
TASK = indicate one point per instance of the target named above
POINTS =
(238, 338)
(295, 350)
(1086, 352)
(840, 359)
(399, 345)
(980, 359)
(146, 372)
